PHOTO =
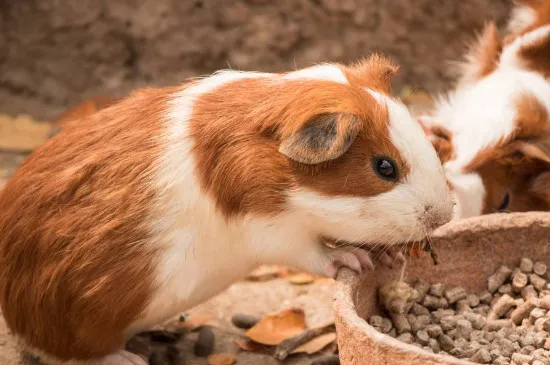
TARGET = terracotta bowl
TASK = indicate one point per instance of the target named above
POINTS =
(469, 251)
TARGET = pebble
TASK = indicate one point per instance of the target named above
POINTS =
(205, 342)
(246, 321)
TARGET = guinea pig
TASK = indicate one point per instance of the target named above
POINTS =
(163, 199)
(492, 132)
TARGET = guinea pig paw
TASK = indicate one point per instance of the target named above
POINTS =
(390, 258)
(121, 358)
(353, 258)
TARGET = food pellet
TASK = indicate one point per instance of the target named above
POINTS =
(506, 324)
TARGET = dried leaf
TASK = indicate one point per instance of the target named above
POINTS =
(267, 272)
(300, 278)
(273, 329)
(84, 109)
(23, 133)
(251, 346)
(222, 359)
(194, 321)
(317, 344)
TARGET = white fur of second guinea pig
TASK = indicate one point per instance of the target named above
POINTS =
(162, 200)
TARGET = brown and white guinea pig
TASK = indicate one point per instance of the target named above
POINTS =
(162, 200)
(492, 132)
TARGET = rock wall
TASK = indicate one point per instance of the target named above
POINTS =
(54, 53)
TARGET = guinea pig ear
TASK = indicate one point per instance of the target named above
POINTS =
(523, 155)
(440, 137)
(323, 138)
(530, 51)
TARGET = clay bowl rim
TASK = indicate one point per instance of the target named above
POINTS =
(344, 306)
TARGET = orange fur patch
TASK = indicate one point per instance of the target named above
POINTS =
(74, 255)
(239, 126)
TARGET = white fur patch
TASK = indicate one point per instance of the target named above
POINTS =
(469, 194)
(522, 17)
(325, 72)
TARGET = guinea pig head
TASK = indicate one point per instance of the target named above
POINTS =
(492, 132)
(363, 170)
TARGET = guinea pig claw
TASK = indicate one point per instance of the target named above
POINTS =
(355, 259)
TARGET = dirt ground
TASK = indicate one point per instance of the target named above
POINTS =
(257, 298)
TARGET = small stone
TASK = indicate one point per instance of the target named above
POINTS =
(418, 310)
(473, 300)
(246, 321)
(520, 358)
(519, 282)
(434, 330)
(482, 356)
(436, 290)
(406, 337)
(485, 297)
(526, 265)
(538, 282)
(445, 342)
(505, 289)
(205, 342)
(455, 294)
(422, 337)
(539, 268)
(528, 292)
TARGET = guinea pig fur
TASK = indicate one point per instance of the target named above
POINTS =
(161, 200)
(492, 132)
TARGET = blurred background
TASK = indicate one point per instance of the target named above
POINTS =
(56, 53)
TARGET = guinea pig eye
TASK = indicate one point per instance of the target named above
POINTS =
(505, 202)
(385, 168)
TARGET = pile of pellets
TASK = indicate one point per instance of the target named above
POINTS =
(509, 323)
